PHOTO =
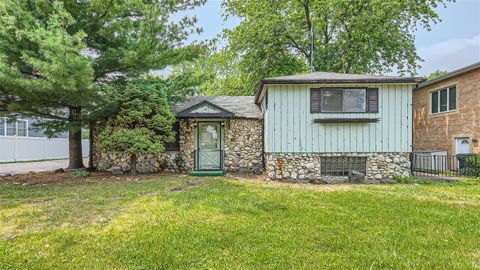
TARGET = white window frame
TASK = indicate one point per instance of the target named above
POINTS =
(26, 127)
(6, 128)
(5, 124)
(448, 100)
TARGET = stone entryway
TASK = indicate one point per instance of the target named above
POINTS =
(209, 141)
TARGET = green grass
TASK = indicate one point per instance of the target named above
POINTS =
(222, 223)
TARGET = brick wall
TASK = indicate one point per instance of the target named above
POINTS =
(438, 132)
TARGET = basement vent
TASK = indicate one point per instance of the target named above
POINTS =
(340, 166)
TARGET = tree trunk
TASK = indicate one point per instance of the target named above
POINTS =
(75, 138)
(133, 164)
(91, 166)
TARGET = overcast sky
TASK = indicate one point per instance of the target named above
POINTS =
(451, 44)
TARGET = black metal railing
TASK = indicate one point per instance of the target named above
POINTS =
(425, 164)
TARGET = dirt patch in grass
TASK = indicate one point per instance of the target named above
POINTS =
(39, 201)
(46, 178)
(188, 184)
(451, 201)
(115, 198)
(76, 200)
(148, 193)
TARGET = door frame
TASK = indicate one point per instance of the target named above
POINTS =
(455, 138)
(197, 145)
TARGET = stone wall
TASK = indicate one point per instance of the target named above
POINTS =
(387, 165)
(172, 161)
(307, 167)
(242, 145)
(293, 166)
(168, 161)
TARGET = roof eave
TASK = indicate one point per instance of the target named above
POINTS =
(406, 80)
(449, 75)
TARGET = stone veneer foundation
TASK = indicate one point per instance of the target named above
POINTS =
(305, 167)
(242, 144)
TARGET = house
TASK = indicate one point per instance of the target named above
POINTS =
(214, 134)
(21, 140)
(447, 113)
(298, 127)
(322, 124)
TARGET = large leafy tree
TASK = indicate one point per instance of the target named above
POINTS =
(143, 121)
(437, 73)
(351, 36)
(56, 56)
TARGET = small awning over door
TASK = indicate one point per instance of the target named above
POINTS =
(205, 109)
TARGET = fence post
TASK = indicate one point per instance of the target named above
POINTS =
(412, 167)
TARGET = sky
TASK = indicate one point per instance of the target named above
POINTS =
(451, 44)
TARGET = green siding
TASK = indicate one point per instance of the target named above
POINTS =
(290, 128)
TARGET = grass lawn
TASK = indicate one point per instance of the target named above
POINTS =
(224, 223)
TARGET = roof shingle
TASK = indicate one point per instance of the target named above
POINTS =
(330, 77)
(241, 106)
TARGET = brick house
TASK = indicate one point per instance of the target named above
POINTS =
(447, 112)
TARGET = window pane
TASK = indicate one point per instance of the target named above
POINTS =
(452, 99)
(443, 100)
(22, 128)
(354, 100)
(11, 129)
(34, 131)
(2, 126)
(332, 101)
(435, 102)
(175, 145)
(61, 135)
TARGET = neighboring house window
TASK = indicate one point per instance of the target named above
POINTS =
(175, 145)
(34, 131)
(2, 126)
(22, 128)
(444, 100)
(349, 100)
(11, 128)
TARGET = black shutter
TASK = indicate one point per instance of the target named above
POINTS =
(372, 100)
(315, 100)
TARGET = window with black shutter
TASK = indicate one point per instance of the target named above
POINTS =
(372, 100)
(315, 100)
(344, 100)
(175, 145)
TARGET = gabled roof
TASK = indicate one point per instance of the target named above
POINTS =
(205, 109)
(450, 75)
(240, 106)
(331, 78)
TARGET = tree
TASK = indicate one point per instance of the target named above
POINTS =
(142, 124)
(349, 36)
(56, 55)
(435, 74)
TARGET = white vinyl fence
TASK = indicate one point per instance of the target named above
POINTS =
(17, 148)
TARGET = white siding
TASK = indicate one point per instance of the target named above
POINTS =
(14, 148)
